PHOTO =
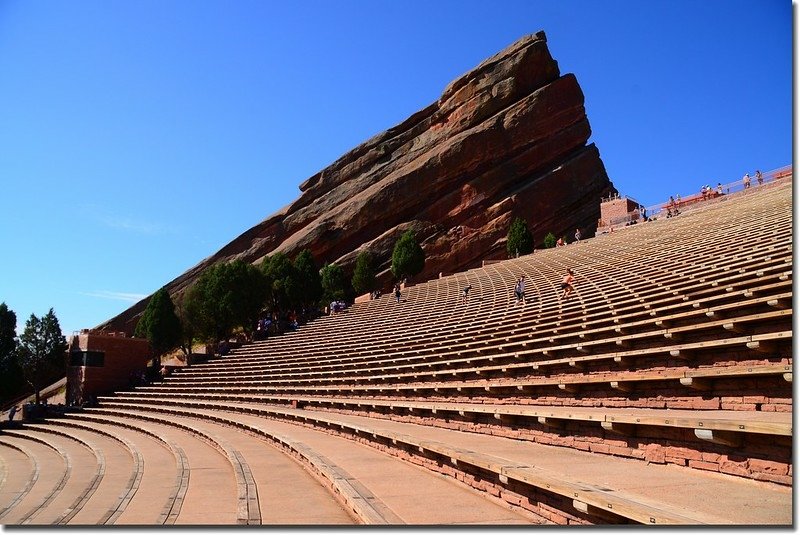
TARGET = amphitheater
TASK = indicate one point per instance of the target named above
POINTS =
(659, 393)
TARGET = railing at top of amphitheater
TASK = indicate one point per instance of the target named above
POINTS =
(731, 187)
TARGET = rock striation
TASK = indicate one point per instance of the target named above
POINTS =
(509, 138)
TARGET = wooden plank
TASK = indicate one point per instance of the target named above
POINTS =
(718, 371)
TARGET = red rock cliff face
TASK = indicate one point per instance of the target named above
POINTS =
(505, 139)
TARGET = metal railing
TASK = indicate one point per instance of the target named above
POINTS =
(731, 187)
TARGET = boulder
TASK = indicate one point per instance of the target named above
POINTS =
(508, 138)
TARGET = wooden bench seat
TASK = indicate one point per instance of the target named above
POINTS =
(672, 333)
(693, 378)
(728, 295)
(586, 333)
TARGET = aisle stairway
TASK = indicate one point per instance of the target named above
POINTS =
(659, 393)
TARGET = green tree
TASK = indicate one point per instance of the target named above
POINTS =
(41, 350)
(408, 258)
(11, 381)
(200, 312)
(334, 283)
(520, 240)
(8, 334)
(250, 289)
(283, 287)
(188, 325)
(364, 274)
(160, 325)
(549, 240)
(226, 296)
(309, 278)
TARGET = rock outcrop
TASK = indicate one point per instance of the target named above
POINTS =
(507, 139)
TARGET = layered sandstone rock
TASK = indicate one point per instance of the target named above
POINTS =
(507, 139)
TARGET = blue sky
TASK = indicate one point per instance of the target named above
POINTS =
(138, 137)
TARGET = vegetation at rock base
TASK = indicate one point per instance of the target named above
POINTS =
(160, 325)
(188, 326)
(364, 273)
(520, 239)
(550, 240)
(226, 296)
(408, 258)
(309, 279)
(334, 283)
(283, 285)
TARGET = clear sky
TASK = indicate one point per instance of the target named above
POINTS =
(138, 137)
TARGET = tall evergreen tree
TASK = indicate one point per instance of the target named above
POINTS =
(226, 296)
(41, 351)
(188, 325)
(309, 278)
(8, 333)
(520, 240)
(160, 325)
(334, 283)
(249, 288)
(11, 381)
(408, 258)
(364, 274)
(282, 281)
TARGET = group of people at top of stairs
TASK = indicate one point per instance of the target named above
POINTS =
(746, 179)
(707, 192)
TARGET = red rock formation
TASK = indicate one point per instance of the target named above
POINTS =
(505, 139)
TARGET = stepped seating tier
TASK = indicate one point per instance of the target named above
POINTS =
(659, 392)
(566, 473)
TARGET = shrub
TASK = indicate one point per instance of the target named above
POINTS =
(284, 289)
(408, 258)
(224, 297)
(334, 283)
(364, 274)
(160, 325)
(520, 240)
(308, 278)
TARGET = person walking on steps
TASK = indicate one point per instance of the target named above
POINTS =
(519, 289)
(566, 284)
(397, 292)
(465, 293)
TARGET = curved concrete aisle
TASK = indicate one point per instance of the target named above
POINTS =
(400, 492)
(51, 466)
(157, 488)
(17, 481)
(211, 493)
